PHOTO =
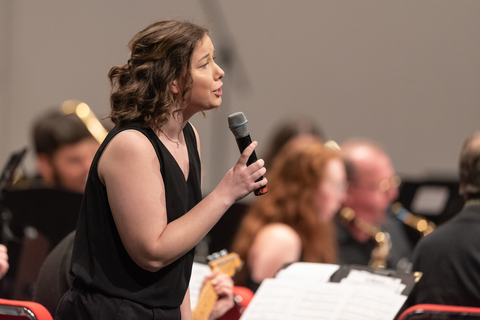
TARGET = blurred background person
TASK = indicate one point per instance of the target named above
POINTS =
(372, 187)
(64, 150)
(449, 257)
(287, 130)
(222, 234)
(293, 221)
(45, 207)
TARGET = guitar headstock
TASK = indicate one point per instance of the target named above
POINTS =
(227, 263)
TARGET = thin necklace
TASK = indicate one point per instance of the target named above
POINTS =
(178, 143)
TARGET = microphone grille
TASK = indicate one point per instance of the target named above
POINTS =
(238, 124)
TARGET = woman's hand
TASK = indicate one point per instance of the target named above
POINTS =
(240, 180)
(3, 260)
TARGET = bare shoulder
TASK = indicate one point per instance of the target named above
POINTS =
(280, 232)
(129, 140)
(277, 237)
(127, 148)
(275, 245)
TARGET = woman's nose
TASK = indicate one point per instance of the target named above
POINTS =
(220, 72)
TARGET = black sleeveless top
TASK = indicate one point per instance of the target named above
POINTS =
(100, 262)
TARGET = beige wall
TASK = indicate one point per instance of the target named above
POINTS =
(404, 73)
(5, 75)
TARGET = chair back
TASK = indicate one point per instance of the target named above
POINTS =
(242, 297)
(23, 310)
(34, 249)
(437, 312)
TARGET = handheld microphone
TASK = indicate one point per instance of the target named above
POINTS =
(237, 122)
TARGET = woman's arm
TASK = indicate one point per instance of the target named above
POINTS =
(130, 170)
(275, 245)
(3, 260)
(185, 307)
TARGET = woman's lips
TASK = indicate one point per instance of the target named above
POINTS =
(218, 92)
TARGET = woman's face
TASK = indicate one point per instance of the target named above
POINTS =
(331, 191)
(206, 92)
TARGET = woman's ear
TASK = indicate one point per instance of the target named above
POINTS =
(174, 87)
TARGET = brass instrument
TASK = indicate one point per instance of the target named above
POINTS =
(84, 112)
(420, 224)
(379, 255)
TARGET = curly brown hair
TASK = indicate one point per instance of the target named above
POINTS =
(296, 173)
(160, 54)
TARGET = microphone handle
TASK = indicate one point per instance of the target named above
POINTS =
(242, 143)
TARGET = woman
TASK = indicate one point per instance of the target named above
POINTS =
(294, 223)
(143, 211)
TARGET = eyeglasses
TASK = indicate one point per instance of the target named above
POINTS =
(384, 185)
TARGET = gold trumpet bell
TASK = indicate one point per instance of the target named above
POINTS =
(83, 111)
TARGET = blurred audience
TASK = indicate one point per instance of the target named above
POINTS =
(293, 222)
(449, 257)
(372, 187)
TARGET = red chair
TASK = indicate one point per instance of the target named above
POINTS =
(242, 296)
(438, 311)
(23, 310)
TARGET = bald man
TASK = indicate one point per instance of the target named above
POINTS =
(373, 186)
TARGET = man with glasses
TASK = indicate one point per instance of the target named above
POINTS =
(372, 235)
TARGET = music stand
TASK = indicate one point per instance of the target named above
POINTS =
(12, 164)
(435, 199)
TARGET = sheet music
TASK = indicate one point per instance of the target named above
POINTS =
(307, 271)
(199, 271)
(362, 277)
(284, 299)
(370, 303)
(290, 299)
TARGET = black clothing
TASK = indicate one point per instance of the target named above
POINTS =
(251, 284)
(350, 251)
(94, 305)
(101, 263)
(449, 259)
(54, 279)
(53, 213)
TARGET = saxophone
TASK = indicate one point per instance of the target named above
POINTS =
(420, 224)
(379, 255)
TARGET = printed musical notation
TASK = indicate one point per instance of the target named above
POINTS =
(295, 295)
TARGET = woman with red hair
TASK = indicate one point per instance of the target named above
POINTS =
(294, 221)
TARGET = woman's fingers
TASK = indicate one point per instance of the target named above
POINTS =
(247, 153)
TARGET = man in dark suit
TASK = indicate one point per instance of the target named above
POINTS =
(449, 258)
